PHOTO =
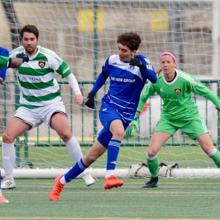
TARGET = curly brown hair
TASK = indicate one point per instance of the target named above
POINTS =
(131, 39)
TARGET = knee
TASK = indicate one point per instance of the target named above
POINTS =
(65, 135)
(7, 138)
(119, 134)
(151, 153)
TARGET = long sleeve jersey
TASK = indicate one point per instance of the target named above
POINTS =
(176, 96)
(37, 83)
(126, 83)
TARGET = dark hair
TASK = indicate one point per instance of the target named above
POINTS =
(30, 29)
(131, 39)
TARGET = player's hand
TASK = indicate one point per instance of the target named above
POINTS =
(79, 99)
(23, 56)
(133, 128)
(15, 62)
(136, 62)
(90, 102)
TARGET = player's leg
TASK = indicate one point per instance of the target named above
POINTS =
(163, 130)
(110, 137)
(198, 130)
(92, 155)
(113, 148)
(158, 139)
(60, 124)
(15, 128)
(206, 144)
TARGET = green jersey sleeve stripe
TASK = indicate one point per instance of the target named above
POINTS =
(36, 72)
(42, 98)
(63, 70)
(40, 85)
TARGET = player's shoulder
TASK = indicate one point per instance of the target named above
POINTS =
(50, 54)
(143, 58)
(47, 51)
(185, 76)
(17, 50)
(113, 59)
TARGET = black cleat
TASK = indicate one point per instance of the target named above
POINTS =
(152, 183)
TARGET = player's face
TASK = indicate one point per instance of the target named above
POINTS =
(29, 41)
(125, 54)
(168, 66)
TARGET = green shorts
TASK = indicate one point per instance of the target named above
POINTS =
(193, 128)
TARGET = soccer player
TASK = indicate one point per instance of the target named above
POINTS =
(5, 62)
(179, 112)
(128, 73)
(40, 101)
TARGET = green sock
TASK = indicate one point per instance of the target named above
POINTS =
(153, 165)
(216, 158)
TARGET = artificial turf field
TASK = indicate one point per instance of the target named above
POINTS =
(173, 199)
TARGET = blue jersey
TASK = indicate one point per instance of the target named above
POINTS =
(3, 52)
(126, 84)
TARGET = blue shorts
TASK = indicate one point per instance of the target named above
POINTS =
(107, 114)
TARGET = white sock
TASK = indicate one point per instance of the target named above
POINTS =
(75, 152)
(8, 158)
(63, 180)
(109, 173)
(74, 149)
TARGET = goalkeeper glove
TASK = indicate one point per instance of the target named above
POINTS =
(134, 127)
(23, 56)
(136, 62)
(90, 102)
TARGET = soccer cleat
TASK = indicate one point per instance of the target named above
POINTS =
(8, 183)
(56, 190)
(152, 183)
(89, 180)
(3, 200)
(112, 182)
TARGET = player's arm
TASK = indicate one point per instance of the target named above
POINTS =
(65, 72)
(145, 66)
(202, 90)
(134, 126)
(13, 62)
(100, 81)
(146, 93)
(75, 87)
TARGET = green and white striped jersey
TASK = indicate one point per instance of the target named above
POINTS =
(178, 103)
(38, 86)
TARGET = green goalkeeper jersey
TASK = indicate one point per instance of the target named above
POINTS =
(3, 61)
(37, 83)
(178, 103)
